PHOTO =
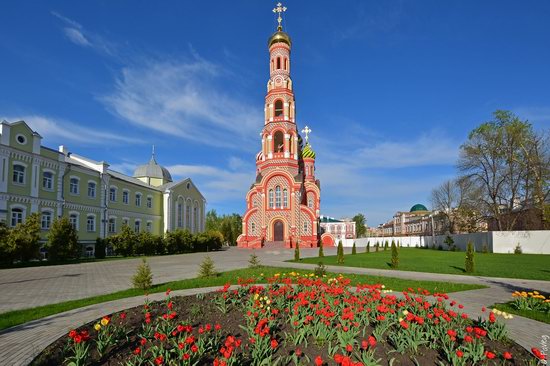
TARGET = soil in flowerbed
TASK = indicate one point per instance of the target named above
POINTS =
(255, 324)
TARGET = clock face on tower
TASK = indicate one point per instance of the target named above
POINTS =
(282, 206)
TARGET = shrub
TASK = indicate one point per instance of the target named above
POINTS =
(254, 261)
(377, 247)
(125, 241)
(394, 255)
(22, 241)
(353, 249)
(386, 245)
(62, 241)
(367, 249)
(469, 264)
(320, 270)
(206, 268)
(484, 248)
(321, 252)
(518, 250)
(340, 253)
(180, 241)
(210, 240)
(143, 279)
(100, 247)
(145, 243)
(440, 247)
(297, 252)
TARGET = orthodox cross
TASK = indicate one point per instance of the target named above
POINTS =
(307, 131)
(279, 9)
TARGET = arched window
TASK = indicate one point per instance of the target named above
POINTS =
(252, 228)
(91, 189)
(290, 144)
(278, 142)
(310, 202)
(47, 181)
(149, 226)
(112, 194)
(271, 198)
(188, 215)
(112, 225)
(73, 220)
(196, 219)
(138, 199)
(285, 198)
(46, 220)
(286, 64)
(18, 174)
(278, 108)
(137, 226)
(16, 216)
(125, 197)
(180, 214)
(278, 62)
(73, 186)
(90, 223)
(278, 197)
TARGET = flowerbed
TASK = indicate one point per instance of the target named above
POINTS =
(530, 304)
(293, 321)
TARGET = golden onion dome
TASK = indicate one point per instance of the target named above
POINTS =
(279, 36)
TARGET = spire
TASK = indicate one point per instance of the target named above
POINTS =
(279, 9)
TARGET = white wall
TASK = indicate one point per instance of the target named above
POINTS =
(531, 242)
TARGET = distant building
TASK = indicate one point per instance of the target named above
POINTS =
(417, 221)
(96, 199)
(336, 229)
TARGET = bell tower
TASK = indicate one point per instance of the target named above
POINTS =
(283, 203)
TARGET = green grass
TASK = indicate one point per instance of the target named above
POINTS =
(535, 315)
(526, 266)
(16, 317)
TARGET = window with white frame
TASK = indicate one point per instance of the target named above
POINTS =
(285, 198)
(149, 226)
(149, 202)
(278, 197)
(46, 220)
(18, 174)
(90, 223)
(91, 189)
(271, 202)
(73, 186)
(73, 220)
(180, 214)
(188, 215)
(125, 197)
(252, 228)
(47, 181)
(306, 226)
(16, 216)
(112, 194)
(112, 225)
(137, 226)
(138, 199)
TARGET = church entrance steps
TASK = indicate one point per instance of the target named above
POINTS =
(274, 245)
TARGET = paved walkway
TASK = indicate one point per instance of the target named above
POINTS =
(29, 287)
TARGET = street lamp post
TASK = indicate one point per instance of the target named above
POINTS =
(298, 197)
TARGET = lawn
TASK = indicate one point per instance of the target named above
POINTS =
(535, 315)
(16, 317)
(526, 266)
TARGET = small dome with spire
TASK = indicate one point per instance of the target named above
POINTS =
(279, 36)
(152, 170)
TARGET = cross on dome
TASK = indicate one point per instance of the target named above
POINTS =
(307, 131)
(279, 9)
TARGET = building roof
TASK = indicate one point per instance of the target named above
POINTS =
(326, 219)
(152, 170)
(418, 207)
(308, 152)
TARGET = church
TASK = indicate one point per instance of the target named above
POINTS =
(283, 204)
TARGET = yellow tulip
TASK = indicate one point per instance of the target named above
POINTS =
(97, 327)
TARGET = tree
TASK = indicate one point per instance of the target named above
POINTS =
(496, 158)
(469, 263)
(100, 246)
(321, 252)
(62, 241)
(353, 249)
(23, 240)
(297, 252)
(360, 225)
(386, 245)
(143, 279)
(124, 242)
(4, 232)
(394, 255)
(368, 247)
(254, 261)
(340, 253)
(206, 268)
(212, 221)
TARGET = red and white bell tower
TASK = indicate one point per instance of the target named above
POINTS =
(282, 206)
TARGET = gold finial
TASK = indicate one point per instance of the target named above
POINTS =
(307, 131)
(279, 9)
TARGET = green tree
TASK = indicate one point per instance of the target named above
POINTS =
(23, 240)
(321, 251)
(340, 253)
(4, 232)
(207, 241)
(353, 249)
(469, 263)
(297, 252)
(367, 250)
(212, 220)
(100, 246)
(125, 241)
(377, 247)
(360, 225)
(207, 268)
(62, 241)
(143, 279)
(394, 255)
(386, 245)
(254, 261)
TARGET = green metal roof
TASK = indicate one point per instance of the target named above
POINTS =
(418, 207)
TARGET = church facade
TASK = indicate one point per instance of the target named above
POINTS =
(283, 204)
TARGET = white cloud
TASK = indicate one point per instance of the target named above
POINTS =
(183, 98)
(76, 36)
(64, 131)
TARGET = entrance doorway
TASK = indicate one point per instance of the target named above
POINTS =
(278, 231)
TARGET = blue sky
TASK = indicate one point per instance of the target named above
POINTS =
(389, 88)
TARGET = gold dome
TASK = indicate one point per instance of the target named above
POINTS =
(279, 36)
